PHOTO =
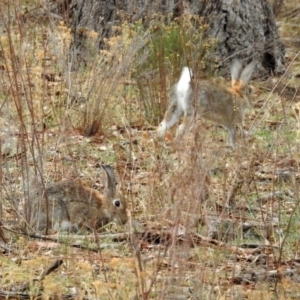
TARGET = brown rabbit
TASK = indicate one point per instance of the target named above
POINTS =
(225, 106)
(71, 206)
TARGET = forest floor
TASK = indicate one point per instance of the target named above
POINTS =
(205, 222)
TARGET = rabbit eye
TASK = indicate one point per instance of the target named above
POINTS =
(117, 203)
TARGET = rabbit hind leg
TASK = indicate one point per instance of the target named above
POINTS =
(186, 123)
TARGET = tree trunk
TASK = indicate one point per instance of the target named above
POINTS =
(101, 15)
(245, 29)
(98, 16)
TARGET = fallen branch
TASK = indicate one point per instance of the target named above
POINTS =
(21, 291)
(2, 236)
(153, 237)
(75, 239)
(193, 239)
(5, 248)
(206, 241)
(51, 268)
(252, 277)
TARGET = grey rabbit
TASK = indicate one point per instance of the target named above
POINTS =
(72, 206)
(222, 105)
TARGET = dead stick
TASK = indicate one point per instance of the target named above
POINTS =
(234, 249)
(51, 268)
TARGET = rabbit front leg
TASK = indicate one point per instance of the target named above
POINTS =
(244, 104)
(232, 134)
(231, 137)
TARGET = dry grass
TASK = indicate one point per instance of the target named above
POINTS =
(58, 124)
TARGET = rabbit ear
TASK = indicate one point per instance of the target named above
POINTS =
(235, 70)
(247, 73)
(110, 181)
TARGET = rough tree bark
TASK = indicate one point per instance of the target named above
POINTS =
(247, 30)
(98, 16)
(244, 28)
(101, 15)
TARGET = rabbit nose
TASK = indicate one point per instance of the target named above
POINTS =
(117, 203)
